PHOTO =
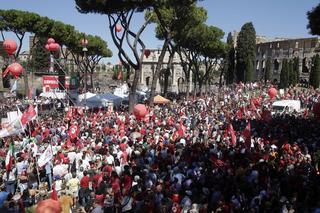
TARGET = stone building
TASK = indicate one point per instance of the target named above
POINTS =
(177, 81)
(279, 49)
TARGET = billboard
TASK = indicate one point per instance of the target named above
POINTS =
(52, 82)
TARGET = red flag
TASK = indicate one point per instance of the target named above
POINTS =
(181, 129)
(5, 73)
(28, 115)
(80, 111)
(253, 106)
(54, 194)
(233, 135)
(74, 131)
(247, 131)
(31, 112)
(239, 114)
(24, 118)
(69, 114)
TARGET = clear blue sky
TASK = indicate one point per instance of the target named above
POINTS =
(271, 18)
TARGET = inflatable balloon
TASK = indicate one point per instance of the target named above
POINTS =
(15, 69)
(54, 47)
(50, 41)
(140, 111)
(118, 28)
(147, 53)
(84, 42)
(9, 46)
(272, 92)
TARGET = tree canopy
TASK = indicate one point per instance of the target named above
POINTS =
(245, 51)
(314, 20)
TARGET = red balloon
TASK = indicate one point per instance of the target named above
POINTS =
(9, 46)
(147, 53)
(84, 42)
(316, 110)
(118, 28)
(47, 46)
(50, 41)
(15, 69)
(272, 92)
(49, 205)
(140, 111)
(54, 47)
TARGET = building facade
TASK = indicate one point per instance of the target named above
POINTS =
(176, 80)
(279, 49)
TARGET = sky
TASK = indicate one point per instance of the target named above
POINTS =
(271, 18)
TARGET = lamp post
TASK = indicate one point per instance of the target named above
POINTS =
(84, 43)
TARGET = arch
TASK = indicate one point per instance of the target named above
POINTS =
(276, 64)
(181, 84)
(305, 65)
(148, 81)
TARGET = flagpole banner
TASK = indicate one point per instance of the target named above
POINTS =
(45, 157)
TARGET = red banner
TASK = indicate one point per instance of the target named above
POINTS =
(53, 81)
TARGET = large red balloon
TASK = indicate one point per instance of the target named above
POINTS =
(272, 92)
(118, 28)
(15, 69)
(50, 41)
(147, 53)
(316, 110)
(140, 111)
(49, 205)
(9, 46)
(84, 42)
(54, 47)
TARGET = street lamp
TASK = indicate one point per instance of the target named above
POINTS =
(84, 43)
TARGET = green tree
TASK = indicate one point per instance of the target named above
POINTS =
(268, 70)
(230, 60)
(284, 75)
(314, 79)
(121, 13)
(245, 52)
(39, 60)
(314, 20)
(249, 70)
(296, 70)
(291, 73)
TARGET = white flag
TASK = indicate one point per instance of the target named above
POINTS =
(45, 157)
(14, 86)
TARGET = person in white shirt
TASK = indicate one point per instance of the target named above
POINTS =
(10, 180)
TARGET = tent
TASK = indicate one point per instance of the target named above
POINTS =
(102, 100)
(86, 95)
(53, 95)
(160, 100)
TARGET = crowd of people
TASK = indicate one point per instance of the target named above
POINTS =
(218, 153)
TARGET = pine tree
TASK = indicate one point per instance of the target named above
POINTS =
(249, 70)
(315, 72)
(39, 56)
(230, 63)
(284, 74)
(296, 70)
(268, 72)
(291, 74)
(245, 52)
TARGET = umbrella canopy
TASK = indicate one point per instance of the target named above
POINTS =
(160, 100)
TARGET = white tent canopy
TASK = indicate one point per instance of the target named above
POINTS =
(102, 100)
(53, 95)
(86, 95)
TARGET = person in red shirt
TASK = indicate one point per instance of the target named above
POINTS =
(84, 192)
